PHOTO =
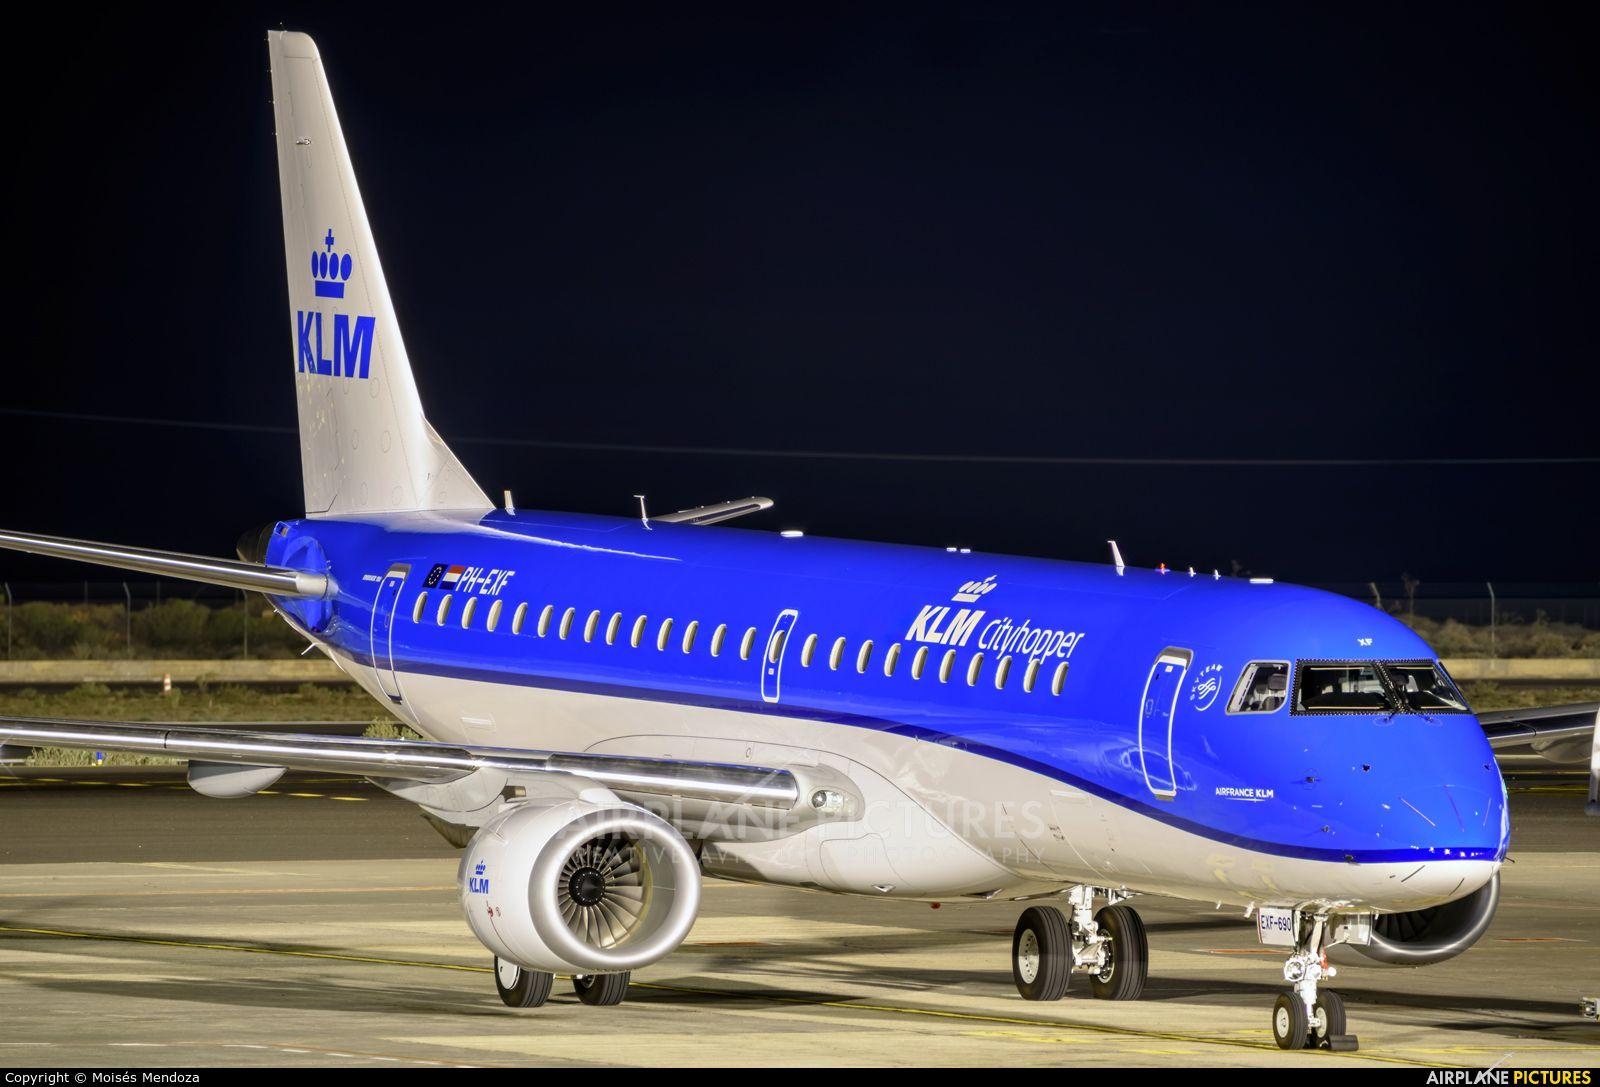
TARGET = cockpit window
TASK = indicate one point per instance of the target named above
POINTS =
(1387, 687)
(1424, 687)
(1342, 687)
(1263, 688)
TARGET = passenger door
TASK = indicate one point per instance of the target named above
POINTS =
(382, 629)
(772, 658)
(1157, 707)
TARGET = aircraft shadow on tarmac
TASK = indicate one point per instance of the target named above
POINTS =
(1546, 1020)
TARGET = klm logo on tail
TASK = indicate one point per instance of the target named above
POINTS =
(351, 336)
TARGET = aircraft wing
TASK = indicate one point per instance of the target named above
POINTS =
(1567, 735)
(223, 755)
(1557, 733)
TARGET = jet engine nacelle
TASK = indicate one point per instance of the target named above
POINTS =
(579, 885)
(1421, 937)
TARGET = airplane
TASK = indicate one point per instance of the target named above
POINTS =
(613, 708)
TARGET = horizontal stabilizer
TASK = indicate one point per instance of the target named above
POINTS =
(229, 573)
(718, 512)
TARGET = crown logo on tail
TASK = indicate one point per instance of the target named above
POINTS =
(329, 270)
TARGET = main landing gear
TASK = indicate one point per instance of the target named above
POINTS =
(520, 987)
(602, 990)
(1110, 946)
(1303, 1017)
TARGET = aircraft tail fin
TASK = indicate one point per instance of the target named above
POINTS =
(365, 445)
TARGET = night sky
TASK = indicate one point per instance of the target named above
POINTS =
(1124, 231)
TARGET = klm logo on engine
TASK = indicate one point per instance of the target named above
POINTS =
(478, 883)
(340, 344)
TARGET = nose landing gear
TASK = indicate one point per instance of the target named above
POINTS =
(1110, 946)
(1303, 1017)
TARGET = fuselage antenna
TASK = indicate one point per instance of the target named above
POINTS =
(644, 516)
(1116, 557)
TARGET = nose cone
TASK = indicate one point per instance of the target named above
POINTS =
(1456, 821)
(1440, 814)
(1449, 800)
(1427, 790)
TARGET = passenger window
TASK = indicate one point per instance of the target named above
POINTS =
(1060, 679)
(1263, 687)
(1031, 675)
(467, 612)
(566, 622)
(638, 631)
(947, 666)
(891, 659)
(1001, 672)
(612, 628)
(688, 634)
(748, 644)
(807, 651)
(591, 625)
(975, 669)
(444, 610)
(864, 657)
(416, 610)
(494, 615)
(718, 636)
(919, 662)
(775, 646)
(836, 654)
(663, 636)
(544, 619)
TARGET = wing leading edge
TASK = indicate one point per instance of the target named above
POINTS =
(412, 760)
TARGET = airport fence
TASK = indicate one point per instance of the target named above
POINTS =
(99, 620)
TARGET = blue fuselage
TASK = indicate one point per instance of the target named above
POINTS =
(1116, 686)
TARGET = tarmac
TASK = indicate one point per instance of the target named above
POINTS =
(142, 925)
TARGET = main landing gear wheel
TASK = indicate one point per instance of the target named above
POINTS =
(602, 990)
(520, 987)
(1041, 954)
(1127, 955)
(1291, 1027)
